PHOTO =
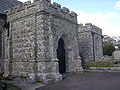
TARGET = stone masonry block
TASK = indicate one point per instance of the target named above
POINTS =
(66, 10)
(56, 5)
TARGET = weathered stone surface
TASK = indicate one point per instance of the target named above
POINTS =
(116, 55)
(90, 42)
(106, 58)
(31, 43)
(35, 30)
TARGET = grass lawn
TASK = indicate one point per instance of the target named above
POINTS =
(9, 87)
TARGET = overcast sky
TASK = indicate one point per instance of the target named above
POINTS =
(102, 13)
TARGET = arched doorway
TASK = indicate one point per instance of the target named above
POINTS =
(61, 56)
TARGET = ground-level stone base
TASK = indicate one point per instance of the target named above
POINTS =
(43, 71)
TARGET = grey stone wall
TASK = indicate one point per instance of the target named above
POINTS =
(35, 29)
(116, 55)
(31, 42)
(90, 42)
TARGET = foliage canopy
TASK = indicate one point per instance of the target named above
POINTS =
(108, 49)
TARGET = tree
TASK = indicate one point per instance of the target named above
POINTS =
(108, 49)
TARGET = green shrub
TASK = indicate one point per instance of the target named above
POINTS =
(108, 49)
(6, 78)
(12, 87)
(98, 64)
(22, 76)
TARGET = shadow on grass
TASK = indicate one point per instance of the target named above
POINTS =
(5, 86)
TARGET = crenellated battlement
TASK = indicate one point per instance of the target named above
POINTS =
(56, 5)
(41, 0)
(90, 27)
(28, 8)
(27, 3)
(18, 8)
(63, 9)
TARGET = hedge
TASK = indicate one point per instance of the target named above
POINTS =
(98, 64)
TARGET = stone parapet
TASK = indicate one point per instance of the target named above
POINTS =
(88, 27)
(40, 6)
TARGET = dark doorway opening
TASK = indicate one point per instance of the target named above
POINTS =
(61, 56)
(1, 45)
(93, 46)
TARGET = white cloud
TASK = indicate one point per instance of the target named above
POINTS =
(24, 0)
(117, 5)
(51, 1)
(104, 21)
